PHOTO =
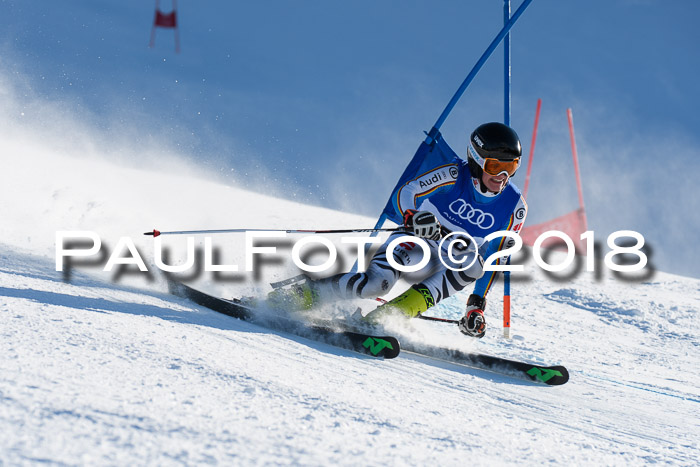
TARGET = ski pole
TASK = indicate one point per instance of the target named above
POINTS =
(156, 233)
(441, 320)
(427, 318)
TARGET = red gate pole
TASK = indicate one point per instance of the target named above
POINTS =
(532, 148)
(177, 30)
(574, 153)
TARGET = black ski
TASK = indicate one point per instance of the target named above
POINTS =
(551, 375)
(289, 281)
(365, 343)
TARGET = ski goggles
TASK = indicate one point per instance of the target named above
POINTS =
(494, 166)
(497, 167)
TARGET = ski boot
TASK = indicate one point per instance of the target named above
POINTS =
(409, 304)
(299, 297)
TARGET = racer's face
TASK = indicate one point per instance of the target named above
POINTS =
(494, 183)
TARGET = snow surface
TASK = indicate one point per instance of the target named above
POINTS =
(109, 369)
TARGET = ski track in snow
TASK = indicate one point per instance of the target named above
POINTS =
(101, 372)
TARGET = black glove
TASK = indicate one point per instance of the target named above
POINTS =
(473, 322)
(423, 224)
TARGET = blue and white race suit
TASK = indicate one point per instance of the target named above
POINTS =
(455, 198)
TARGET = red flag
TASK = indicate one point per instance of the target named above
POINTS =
(572, 224)
(165, 20)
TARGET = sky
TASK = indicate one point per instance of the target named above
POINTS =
(326, 101)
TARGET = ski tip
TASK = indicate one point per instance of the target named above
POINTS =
(155, 233)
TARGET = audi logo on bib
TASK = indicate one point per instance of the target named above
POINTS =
(466, 211)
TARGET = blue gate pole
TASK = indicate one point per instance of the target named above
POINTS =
(506, 65)
(506, 120)
(480, 63)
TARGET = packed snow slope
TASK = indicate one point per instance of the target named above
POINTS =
(109, 369)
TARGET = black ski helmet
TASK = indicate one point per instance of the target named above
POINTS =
(492, 140)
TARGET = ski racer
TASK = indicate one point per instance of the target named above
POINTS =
(474, 196)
